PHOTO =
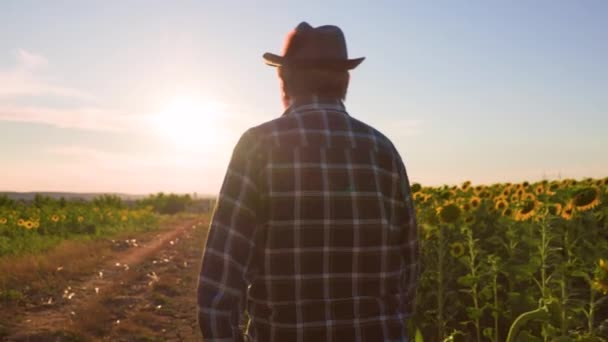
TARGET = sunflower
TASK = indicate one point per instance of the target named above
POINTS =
(466, 186)
(567, 212)
(508, 212)
(539, 189)
(449, 213)
(525, 184)
(520, 192)
(485, 194)
(475, 202)
(80, 219)
(36, 224)
(555, 209)
(55, 218)
(587, 199)
(600, 286)
(28, 224)
(527, 211)
(21, 223)
(466, 207)
(514, 198)
(124, 217)
(457, 249)
(528, 196)
(501, 204)
(506, 192)
(3, 220)
(603, 265)
(418, 196)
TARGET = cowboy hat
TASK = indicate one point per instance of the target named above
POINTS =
(321, 47)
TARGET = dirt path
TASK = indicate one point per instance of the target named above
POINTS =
(144, 292)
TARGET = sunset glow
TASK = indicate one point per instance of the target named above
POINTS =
(189, 122)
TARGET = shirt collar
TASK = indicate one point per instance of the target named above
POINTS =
(311, 103)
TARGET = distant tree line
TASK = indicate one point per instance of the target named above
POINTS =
(168, 204)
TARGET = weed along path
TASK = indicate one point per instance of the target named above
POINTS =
(143, 290)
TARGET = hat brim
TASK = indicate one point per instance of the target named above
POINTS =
(345, 64)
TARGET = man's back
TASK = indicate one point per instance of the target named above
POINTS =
(329, 244)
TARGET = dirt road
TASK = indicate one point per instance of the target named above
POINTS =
(144, 291)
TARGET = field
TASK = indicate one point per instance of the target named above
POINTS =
(526, 259)
(503, 262)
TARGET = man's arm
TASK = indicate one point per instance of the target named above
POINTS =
(410, 248)
(229, 248)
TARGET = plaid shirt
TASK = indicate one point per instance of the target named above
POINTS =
(314, 234)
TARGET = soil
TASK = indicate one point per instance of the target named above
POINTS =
(144, 291)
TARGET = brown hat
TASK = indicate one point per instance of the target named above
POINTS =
(319, 47)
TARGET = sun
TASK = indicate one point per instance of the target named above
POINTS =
(189, 122)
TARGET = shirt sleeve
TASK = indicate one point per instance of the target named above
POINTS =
(410, 245)
(229, 248)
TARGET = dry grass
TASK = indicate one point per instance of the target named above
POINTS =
(37, 276)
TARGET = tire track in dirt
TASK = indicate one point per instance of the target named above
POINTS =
(144, 293)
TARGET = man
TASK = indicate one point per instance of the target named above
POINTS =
(314, 232)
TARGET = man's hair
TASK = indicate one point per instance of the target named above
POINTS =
(314, 81)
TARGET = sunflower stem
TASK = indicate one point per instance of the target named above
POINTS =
(441, 254)
(590, 316)
(495, 294)
(473, 268)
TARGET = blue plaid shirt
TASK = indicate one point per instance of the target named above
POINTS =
(314, 234)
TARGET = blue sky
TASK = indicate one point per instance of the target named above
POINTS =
(487, 91)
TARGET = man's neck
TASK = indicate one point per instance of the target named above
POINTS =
(312, 99)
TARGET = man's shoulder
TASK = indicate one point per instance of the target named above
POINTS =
(266, 131)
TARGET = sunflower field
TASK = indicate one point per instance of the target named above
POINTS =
(513, 262)
(42, 223)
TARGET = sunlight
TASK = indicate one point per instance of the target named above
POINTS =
(189, 122)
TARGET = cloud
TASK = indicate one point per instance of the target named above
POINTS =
(87, 118)
(27, 77)
(29, 60)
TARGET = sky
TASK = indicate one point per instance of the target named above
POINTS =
(147, 96)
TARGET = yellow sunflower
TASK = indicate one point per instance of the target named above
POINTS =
(21, 222)
(449, 213)
(457, 249)
(600, 286)
(55, 218)
(124, 218)
(466, 186)
(501, 204)
(527, 211)
(28, 224)
(3, 220)
(466, 207)
(539, 189)
(80, 219)
(418, 196)
(586, 199)
(36, 224)
(475, 202)
(506, 192)
(567, 212)
(529, 197)
(520, 192)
